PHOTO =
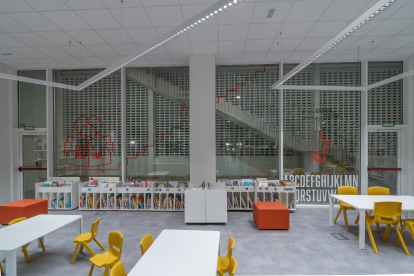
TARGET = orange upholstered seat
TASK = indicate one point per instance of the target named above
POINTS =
(23, 208)
(271, 215)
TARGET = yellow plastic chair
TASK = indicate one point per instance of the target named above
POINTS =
(223, 263)
(232, 267)
(375, 190)
(110, 257)
(24, 247)
(287, 170)
(1, 270)
(345, 190)
(85, 238)
(118, 269)
(389, 213)
(146, 242)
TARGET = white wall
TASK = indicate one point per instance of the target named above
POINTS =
(6, 133)
(202, 118)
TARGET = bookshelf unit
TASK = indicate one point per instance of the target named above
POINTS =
(100, 195)
(69, 194)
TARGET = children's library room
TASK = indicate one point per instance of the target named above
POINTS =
(206, 137)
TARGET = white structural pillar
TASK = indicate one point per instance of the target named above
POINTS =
(280, 132)
(202, 118)
(49, 123)
(364, 129)
(123, 124)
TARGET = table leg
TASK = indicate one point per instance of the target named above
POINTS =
(38, 242)
(331, 211)
(361, 229)
(11, 263)
(407, 215)
(81, 223)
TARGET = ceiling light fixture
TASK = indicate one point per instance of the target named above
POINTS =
(378, 8)
(270, 13)
(6, 54)
(392, 79)
(36, 81)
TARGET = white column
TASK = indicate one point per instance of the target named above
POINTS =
(49, 124)
(151, 133)
(202, 118)
(364, 129)
(17, 191)
(280, 91)
(123, 124)
(407, 134)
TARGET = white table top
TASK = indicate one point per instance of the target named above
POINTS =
(157, 173)
(180, 252)
(19, 234)
(366, 202)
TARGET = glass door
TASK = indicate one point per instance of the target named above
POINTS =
(33, 160)
(384, 160)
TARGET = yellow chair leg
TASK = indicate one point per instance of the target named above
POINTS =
(387, 232)
(89, 249)
(75, 253)
(346, 221)
(337, 215)
(402, 232)
(42, 244)
(357, 219)
(90, 271)
(374, 246)
(81, 249)
(24, 250)
(106, 271)
(4, 260)
(100, 245)
(378, 228)
(1, 270)
(401, 239)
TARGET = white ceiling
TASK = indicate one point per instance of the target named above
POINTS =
(37, 32)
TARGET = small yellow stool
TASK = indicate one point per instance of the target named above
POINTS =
(146, 242)
(118, 269)
(24, 247)
(232, 267)
(110, 257)
(84, 238)
(223, 263)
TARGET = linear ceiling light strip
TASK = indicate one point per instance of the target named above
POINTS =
(195, 21)
(322, 88)
(378, 8)
(392, 79)
(36, 81)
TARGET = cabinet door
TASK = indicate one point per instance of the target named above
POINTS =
(195, 206)
(216, 206)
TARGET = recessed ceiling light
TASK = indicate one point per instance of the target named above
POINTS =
(270, 13)
(6, 54)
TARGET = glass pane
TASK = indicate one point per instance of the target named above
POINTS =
(322, 132)
(246, 122)
(34, 156)
(383, 153)
(88, 126)
(158, 129)
(32, 100)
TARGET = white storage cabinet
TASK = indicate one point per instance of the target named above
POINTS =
(98, 194)
(69, 194)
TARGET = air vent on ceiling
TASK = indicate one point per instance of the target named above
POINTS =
(270, 13)
(6, 54)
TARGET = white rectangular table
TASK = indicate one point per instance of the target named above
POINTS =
(13, 237)
(180, 252)
(364, 203)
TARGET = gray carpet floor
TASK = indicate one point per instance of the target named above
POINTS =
(307, 248)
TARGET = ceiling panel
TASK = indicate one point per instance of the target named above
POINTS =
(233, 32)
(29, 53)
(344, 10)
(102, 50)
(289, 44)
(348, 42)
(302, 11)
(262, 9)
(179, 48)
(159, 51)
(237, 15)
(405, 12)
(252, 56)
(333, 53)
(371, 41)
(52, 51)
(408, 30)
(8, 25)
(258, 45)
(149, 3)
(15, 6)
(47, 61)
(27, 62)
(85, 4)
(57, 38)
(193, 10)
(92, 60)
(350, 53)
(142, 35)
(66, 20)
(183, 37)
(111, 60)
(204, 33)
(99, 19)
(236, 46)
(159, 58)
(13, 55)
(378, 52)
(183, 58)
(47, 5)
(126, 49)
(132, 18)
(264, 31)
(230, 56)
(327, 29)
(296, 30)
(69, 61)
(277, 56)
(165, 16)
(117, 4)
(31, 39)
(312, 44)
(391, 27)
(115, 36)
(10, 42)
(403, 52)
(206, 47)
(87, 37)
(10, 63)
(194, 2)
(34, 21)
(301, 54)
(77, 51)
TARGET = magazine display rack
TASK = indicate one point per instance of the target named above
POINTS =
(99, 198)
(242, 197)
(66, 197)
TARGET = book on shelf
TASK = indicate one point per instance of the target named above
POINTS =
(273, 183)
(141, 202)
(54, 203)
(242, 203)
(61, 202)
(55, 184)
(235, 183)
(148, 201)
(90, 204)
(69, 204)
(177, 202)
(112, 184)
(156, 202)
(104, 184)
(228, 203)
(286, 183)
(247, 182)
(92, 183)
(134, 202)
(164, 204)
(162, 184)
(98, 203)
(236, 203)
(261, 182)
(119, 201)
(183, 202)
(227, 182)
(149, 182)
(47, 184)
(182, 184)
(139, 183)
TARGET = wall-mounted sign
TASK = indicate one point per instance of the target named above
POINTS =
(388, 124)
(29, 128)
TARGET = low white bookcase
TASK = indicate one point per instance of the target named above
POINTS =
(68, 193)
(98, 194)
